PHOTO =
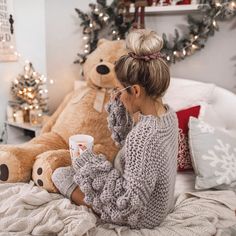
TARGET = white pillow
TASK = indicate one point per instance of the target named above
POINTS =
(183, 94)
(220, 112)
(213, 154)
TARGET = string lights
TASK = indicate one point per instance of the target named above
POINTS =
(178, 48)
(102, 16)
(199, 29)
(29, 90)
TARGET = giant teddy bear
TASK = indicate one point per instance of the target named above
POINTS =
(82, 111)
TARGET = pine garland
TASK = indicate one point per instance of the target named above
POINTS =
(102, 17)
(118, 24)
(199, 29)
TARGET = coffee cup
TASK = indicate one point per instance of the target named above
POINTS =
(78, 142)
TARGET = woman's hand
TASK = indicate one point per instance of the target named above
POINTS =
(115, 94)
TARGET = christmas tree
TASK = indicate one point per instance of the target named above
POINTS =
(29, 90)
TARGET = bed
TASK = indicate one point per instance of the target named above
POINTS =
(26, 209)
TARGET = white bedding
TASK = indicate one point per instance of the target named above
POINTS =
(29, 210)
(185, 181)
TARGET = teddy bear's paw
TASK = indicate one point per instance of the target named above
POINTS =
(42, 176)
(10, 168)
(4, 172)
(45, 165)
(39, 171)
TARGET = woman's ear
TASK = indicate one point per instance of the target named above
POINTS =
(136, 89)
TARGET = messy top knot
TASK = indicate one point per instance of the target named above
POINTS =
(144, 42)
(144, 64)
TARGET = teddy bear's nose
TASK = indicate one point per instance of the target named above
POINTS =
(102, 69)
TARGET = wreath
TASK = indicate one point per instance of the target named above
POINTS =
(114, 21)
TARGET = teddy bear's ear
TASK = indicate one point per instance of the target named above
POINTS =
(102, 41)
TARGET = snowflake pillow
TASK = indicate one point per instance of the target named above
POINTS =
(213, 154)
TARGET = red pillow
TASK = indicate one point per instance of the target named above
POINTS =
(184, 159)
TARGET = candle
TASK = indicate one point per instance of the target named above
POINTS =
(36, 117)
(19, 116)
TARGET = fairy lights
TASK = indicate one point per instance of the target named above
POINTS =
(29, 89)
(179, 47)
(199, 31)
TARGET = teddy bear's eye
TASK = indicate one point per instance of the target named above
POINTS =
(101, 60)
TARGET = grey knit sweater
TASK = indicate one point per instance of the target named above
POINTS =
(141, 194)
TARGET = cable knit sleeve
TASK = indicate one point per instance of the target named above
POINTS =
(119, 121)
(120, 199)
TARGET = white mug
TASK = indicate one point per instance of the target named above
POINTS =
(76, 141)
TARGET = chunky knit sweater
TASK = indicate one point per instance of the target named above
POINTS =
(141, 194)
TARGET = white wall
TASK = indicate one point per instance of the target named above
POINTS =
(63, 42)
(29, 24)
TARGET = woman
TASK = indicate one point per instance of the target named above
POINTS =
(138, 191)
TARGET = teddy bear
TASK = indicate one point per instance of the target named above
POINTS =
(81, 112)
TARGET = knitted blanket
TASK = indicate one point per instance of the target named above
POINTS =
(28, 210)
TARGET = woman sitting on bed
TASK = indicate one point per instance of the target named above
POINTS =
(138, 191)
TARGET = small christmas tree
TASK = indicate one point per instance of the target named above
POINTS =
(29, 90)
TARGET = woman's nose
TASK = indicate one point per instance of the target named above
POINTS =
(102, 69)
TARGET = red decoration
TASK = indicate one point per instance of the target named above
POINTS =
(166, 2)
(184, 159)
(156, 2)
(183, 2)
(149, 2)
(140, 12)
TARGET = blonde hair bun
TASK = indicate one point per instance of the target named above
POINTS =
(144, 64)
(144, 42)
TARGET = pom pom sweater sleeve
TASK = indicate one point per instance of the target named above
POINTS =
(142, 194)
(119, 121)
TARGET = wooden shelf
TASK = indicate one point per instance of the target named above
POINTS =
(169, 9)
